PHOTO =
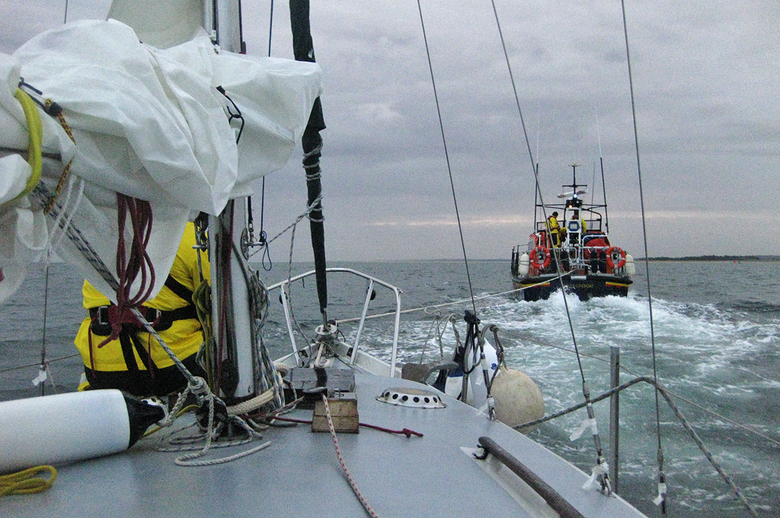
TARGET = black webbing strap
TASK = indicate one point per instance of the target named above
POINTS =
(179, 289)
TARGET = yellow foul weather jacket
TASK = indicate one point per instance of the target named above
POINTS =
(135, 362)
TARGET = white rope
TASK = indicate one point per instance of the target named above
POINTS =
(189, 460)
(252, 404)
(352, 482)
(55, 239)
(298, 219)
(185, 461)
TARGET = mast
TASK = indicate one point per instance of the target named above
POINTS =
(574, 176)
(536, 198)
(604, 190)
(233, 368)
(303, 50)
(227, 25)
(574, 192)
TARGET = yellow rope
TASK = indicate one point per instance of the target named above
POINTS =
(27, 481)
(66, 171)
(35, 129)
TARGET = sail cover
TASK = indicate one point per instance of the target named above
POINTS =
(147, 122)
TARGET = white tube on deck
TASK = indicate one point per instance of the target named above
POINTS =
(62, 428)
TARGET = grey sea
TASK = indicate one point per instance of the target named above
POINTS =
(716, 330)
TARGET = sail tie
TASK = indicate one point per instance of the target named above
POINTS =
(55, 109)
(35, 131)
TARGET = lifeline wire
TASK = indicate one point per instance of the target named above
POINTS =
(683, 420)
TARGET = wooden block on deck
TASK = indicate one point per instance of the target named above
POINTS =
(343, 413)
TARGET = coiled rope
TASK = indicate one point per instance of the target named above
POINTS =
(27, 481)
(190, 443)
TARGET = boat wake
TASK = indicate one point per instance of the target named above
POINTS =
(707, 357)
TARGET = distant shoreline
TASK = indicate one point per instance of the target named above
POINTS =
(731, 258)
(757, 258)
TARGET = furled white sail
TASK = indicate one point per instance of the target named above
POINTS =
(147, 122)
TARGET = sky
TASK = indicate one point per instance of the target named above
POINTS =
(705, 82)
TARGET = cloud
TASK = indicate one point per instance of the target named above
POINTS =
(705, 87)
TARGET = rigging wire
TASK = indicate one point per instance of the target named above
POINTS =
(44, 366)
(661, 499)
(447, 157)
(601, 470)
(261, 244)
(270, 27)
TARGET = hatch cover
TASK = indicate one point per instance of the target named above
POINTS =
(411, 397)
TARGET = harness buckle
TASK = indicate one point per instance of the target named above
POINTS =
(102, 316)
(152, 315)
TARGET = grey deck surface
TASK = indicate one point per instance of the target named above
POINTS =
(300, 475)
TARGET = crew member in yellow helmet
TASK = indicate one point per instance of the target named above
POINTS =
(135, 362)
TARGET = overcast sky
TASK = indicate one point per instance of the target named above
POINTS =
(706, 84)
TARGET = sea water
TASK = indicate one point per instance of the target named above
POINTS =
(715, 335)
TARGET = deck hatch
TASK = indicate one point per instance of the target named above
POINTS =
(411, 397)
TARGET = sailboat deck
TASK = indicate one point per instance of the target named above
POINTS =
(299, 474)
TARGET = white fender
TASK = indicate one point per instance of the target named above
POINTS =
(517, 398)
(630, 266)
(523, 265)
(68, 427)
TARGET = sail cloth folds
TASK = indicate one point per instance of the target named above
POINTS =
(150, 123)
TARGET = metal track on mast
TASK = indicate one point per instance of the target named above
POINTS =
(235, 356)
(225, 18)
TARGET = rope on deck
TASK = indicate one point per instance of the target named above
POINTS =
(352, 482)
